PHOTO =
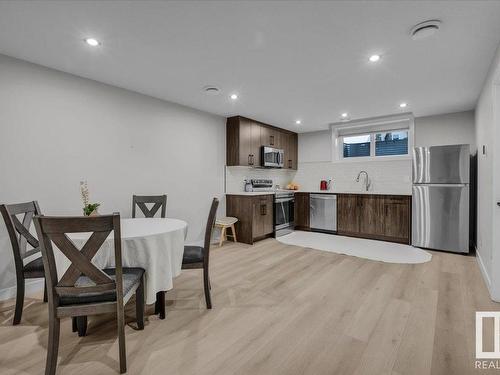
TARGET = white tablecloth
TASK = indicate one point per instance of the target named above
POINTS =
(154, 244)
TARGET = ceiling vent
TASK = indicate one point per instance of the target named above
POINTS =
(211, 90)
(425, 29)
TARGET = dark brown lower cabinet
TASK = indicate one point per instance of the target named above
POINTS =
(397, 213)
(382, 217)
(255, 216)
(301, 214)
(347, 214)
(371, 214)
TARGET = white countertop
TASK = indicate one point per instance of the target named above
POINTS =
(252, 193)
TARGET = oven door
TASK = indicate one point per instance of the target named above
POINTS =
(283, 215)
(272, 157)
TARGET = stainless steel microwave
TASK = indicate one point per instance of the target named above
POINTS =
(273, 157)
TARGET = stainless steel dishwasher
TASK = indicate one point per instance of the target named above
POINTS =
(323, 212)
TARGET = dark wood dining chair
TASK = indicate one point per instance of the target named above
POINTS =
(85, 289)
(20, 238)
(197, 257)
(158, 201)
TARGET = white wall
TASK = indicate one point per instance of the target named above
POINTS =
(315, 146)
(56, 129)
(488, 223)
(447, 129)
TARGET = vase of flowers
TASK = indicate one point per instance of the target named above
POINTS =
(89, 209)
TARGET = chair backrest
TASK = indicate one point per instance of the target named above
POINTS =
(19, 230)
(160, 201)
(209, 228)
(54, 230)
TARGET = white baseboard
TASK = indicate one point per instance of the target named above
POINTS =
(31, 287)
(486, 276)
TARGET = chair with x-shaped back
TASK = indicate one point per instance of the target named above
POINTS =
(85, 289)
(159, 201)
(20, 238)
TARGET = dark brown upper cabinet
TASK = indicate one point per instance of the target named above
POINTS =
(270, 137)
(290, 147)
(243, 141)
(245, 138)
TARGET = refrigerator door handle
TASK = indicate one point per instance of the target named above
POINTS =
(441, 185)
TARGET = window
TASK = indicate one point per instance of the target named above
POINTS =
(391, 143)
(357, 146)
(387, 143)
(378, 138)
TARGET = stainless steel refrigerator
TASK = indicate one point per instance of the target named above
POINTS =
(440, 201)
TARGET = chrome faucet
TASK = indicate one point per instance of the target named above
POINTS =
(367, 179)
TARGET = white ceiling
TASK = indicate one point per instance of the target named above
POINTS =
(286, 60)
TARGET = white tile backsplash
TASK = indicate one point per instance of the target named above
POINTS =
(387, 177)
(235, 177)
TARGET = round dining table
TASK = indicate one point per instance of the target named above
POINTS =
(154, 244)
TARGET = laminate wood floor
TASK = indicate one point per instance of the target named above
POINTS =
(280, 309)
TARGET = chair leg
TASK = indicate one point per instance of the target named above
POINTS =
(121, 339)
(160, 301)
(222, 235)
(139, 305)
(53, 346)
(206, 286)
(45, 298)
(74, 324)
(81, 324)
(19, 302)
(234, 233)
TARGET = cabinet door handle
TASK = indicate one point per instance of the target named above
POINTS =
(263, 209)
(271, 140)
(249, 159)
(289, 163)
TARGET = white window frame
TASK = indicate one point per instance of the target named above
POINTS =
(404, 122)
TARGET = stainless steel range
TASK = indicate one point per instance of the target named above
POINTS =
(284, 204)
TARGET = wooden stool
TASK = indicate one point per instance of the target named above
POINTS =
(223, 223)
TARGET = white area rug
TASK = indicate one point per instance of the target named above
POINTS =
(370, 249)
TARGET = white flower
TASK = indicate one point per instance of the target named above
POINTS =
(85, 193)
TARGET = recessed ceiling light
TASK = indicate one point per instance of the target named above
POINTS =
(403, 105)
(344, 115)
(374, 58)
(92, 42)
(298, 122)
(234, 96)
